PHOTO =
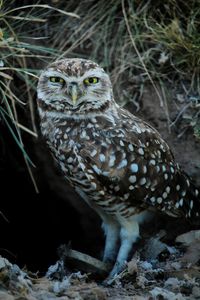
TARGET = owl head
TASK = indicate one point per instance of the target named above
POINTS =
(74, 87)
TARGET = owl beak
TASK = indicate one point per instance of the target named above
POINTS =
(74, 92)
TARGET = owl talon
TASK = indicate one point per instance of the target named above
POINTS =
(117, 269)
(114, 274)
(108, 282)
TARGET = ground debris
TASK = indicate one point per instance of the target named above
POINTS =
(149, 275)
(76, 260)
(189, 237)
(155, 275)
(5, 296)
(155, 247)
(161, 293)
(191, 241)
(86, 262)
(13, 278)
(15, 284)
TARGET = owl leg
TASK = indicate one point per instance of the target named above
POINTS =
(112, 232)
(129, 233)
(111, 229)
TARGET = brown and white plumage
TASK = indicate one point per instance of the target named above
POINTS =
(118, 163)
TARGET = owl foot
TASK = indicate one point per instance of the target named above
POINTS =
(114, 274)
(129, 234)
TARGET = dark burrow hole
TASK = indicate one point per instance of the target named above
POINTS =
(38, 223)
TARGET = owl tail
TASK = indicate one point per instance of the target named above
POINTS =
(188, 199)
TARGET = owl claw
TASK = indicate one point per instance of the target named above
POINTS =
(108, 282)
(117, 269)
(114, 274)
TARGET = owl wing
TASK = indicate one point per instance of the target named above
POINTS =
(133, 163)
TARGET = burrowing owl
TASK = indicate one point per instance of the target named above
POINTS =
(118, 163)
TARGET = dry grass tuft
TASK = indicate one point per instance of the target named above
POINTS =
(22, 50)
(138, 43)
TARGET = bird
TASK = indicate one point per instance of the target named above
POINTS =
(118, 163)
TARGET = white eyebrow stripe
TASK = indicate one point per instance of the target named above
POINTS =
(52, 73)
(94, 73)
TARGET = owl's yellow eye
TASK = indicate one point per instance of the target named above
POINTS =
(91, 80)
(56, 80)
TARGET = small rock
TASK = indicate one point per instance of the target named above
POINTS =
(5, 296)
(146, 265)
(176, 265)
(172, 281)
(196, 292)
(160, 293)
(153, 248)
(188, 237)
(4, 263)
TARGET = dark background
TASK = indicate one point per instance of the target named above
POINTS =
(33, 225)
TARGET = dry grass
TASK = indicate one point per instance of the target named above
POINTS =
(138, 43)
(21, 52)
